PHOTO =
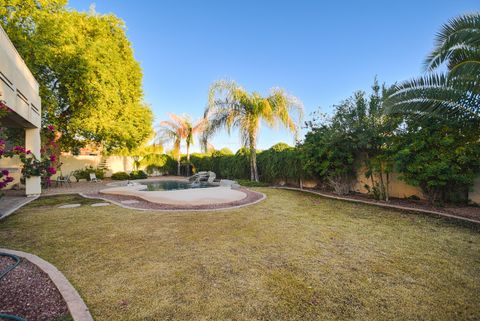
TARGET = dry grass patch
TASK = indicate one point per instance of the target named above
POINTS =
(293, 256)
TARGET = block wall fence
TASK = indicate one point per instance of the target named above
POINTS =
(397, 187)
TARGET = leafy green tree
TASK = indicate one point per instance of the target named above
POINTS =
(456, 91)
(90, 83)
(329, 153)
(230, 106)
(442, 159)
(358, 132)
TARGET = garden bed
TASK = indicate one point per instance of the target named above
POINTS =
(28, 292)
(465, 211)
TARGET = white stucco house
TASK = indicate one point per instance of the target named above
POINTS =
(20, 91)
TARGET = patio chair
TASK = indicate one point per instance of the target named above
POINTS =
(93, 178)
(64, 179)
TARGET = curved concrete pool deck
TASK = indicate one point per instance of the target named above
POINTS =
(190, 197)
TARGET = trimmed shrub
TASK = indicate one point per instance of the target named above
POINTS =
(138, 175)
(280, 161)
(85, 173)
(120, 176)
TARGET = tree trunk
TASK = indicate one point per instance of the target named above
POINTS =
(387, 194)
(178, 167)
(188, 159)
(382, 184)
(253, 159)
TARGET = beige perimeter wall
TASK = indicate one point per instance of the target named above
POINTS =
(113, 163)
(71, 163)
(397, 187)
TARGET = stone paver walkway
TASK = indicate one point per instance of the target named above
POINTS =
(70, 205)
(10, 203)
(100, 204)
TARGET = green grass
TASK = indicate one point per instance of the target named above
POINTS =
(249, 183)
(57, 200)
(294, 256)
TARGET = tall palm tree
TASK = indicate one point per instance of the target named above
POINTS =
(192, 129)
(230, 106)
(455, 91)
(172, 131)
(177, 129)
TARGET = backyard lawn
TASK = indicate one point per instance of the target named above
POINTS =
(293, 256)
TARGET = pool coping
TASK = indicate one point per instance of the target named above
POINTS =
(262, 198)
(191, 197)
(76, 306)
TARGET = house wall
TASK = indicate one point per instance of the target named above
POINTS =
(18, 87)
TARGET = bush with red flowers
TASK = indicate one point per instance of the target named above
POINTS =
(47, 165)
(44, 167)
(5, 177)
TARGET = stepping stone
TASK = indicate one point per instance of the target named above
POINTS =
(129, 202)
(70, 205)
(100, 204)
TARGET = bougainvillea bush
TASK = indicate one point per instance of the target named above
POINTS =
(5, 177)
(48, 163)
(44, 167)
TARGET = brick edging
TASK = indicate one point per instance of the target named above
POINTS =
(398, 207)
(77, 308)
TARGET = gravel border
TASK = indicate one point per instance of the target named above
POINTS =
(28, 293)
(78, 309)
(398, 207)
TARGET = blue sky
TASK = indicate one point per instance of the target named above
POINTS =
(319, 51)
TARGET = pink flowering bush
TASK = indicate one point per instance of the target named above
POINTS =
(5, 177)
(44, 167)
(48, 163)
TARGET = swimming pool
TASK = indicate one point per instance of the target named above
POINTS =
(173, 185)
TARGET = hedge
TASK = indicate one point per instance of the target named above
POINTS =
(281, 161)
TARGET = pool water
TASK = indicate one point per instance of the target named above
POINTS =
(173, 185)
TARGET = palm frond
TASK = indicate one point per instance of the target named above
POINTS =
(459, 34)
(434, 94)
(467, 70)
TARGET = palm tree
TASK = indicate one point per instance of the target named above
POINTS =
(230, 106)
(172, 131)
(456, 91)
(191, 130)
(177, 129)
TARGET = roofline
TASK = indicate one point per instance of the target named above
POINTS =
(18, 54)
